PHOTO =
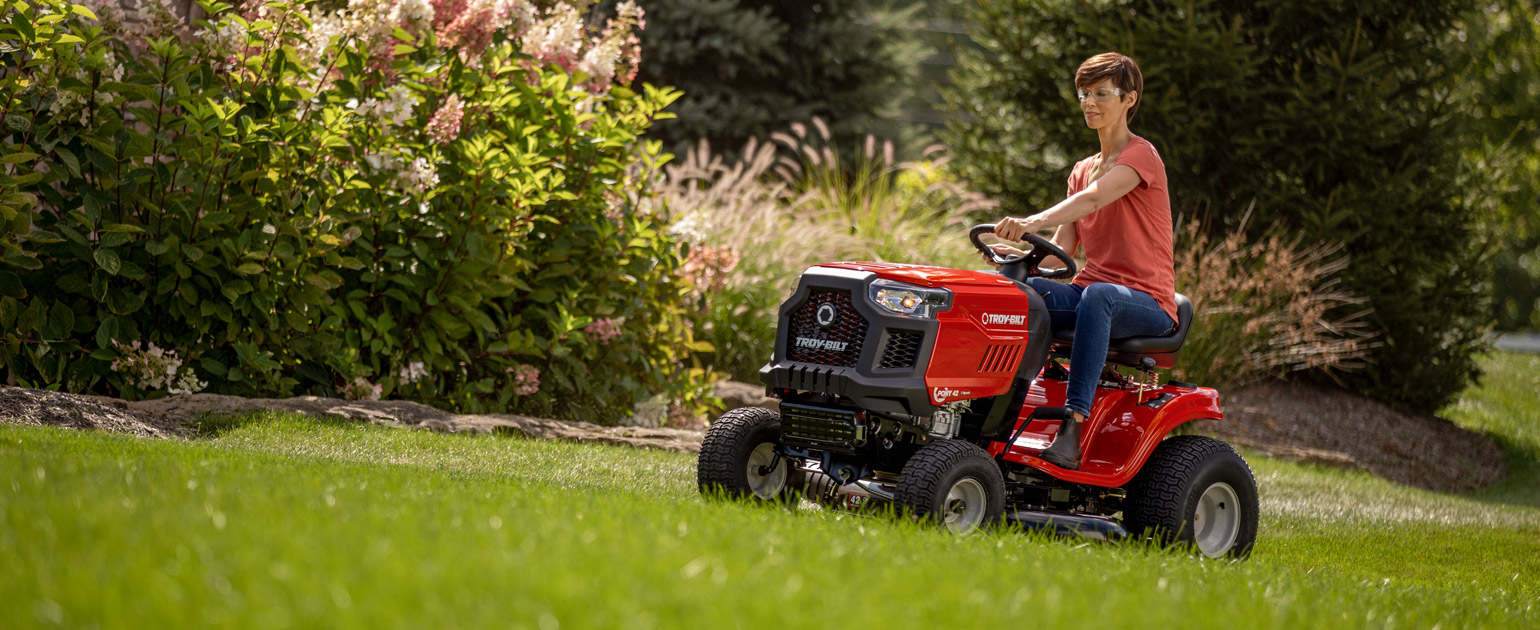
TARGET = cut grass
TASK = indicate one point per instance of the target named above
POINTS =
(288, 521)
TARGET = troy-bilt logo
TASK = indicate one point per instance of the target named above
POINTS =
(826, 315)
(942, 394)
(821, 344)
(996, 319)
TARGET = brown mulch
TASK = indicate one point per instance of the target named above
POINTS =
(1296, 422)
(1331, 427)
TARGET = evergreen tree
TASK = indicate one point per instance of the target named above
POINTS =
(749, 68)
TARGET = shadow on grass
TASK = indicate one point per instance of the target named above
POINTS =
(1522, 485)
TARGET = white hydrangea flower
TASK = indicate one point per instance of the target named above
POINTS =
(394, 110)
(418, 177)
(412, 372)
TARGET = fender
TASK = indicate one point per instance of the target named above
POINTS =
(1120, 435)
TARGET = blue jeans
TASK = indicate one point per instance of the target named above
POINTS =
(1099, 313)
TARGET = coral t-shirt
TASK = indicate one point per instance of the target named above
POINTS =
(1128, 241)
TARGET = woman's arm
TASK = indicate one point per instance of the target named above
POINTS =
(1111, 187)
(1066, 238)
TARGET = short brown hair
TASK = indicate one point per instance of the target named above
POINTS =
(1120, 68)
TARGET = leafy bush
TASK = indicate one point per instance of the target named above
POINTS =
(757, 222)
(449, 202)
(1341, 122)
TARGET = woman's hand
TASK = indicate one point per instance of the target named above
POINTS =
(1012, 229)
(1002, 250)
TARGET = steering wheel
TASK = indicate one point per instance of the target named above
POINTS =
(1041, 249)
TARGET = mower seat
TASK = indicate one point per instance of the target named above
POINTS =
(1131, 350)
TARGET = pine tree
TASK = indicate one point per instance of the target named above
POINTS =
(749, 68)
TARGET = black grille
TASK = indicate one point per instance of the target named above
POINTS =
(901, 348)
(820, 428)
(838, 344)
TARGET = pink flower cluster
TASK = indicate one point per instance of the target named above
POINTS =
(605, 329)
(445, 125)
(362, 389)
(616, 52)
(469, 24)
(709, 267)
(527, 377)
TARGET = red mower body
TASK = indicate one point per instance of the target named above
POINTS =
(935, 391)
(977, 349)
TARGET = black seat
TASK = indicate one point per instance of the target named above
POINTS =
(1129, 351)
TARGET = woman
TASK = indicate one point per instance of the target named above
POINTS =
(1119, 211)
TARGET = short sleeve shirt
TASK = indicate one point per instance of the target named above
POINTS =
(1128, 241)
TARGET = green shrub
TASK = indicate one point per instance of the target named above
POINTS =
(456, 208)
(1342, 122)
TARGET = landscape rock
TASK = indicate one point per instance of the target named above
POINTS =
(176, 416)
(736, 395)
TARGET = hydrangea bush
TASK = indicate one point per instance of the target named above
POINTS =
(447, 195)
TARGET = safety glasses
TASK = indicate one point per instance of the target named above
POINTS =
(1101, 94)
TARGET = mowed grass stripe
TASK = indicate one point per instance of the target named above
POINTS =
(290, 522)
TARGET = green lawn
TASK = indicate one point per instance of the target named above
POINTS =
(285, 521)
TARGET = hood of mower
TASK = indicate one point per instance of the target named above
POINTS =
(926, 275)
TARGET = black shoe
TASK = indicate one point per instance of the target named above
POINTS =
(1065, 450)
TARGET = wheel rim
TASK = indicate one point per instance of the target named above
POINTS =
(768, 485)
(964, 506)
(1217, 521)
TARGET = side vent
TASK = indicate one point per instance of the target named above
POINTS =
(1001, 358)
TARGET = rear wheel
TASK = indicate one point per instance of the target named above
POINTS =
(738, 458)
(952, 483)
(1195, 491)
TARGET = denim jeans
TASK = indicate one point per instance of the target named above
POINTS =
(1099, 313)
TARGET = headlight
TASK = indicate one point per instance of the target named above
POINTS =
(910, 300)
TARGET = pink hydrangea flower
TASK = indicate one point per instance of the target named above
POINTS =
(445, 125)
(605, 329)
(527, 377)
(362, 389)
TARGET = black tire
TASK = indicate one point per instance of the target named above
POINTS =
(734, 449)
(1185, 475)
(942, 482)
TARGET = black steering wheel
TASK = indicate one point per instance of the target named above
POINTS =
(1041, 249)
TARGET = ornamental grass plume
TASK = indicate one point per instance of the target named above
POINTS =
(1266, 308)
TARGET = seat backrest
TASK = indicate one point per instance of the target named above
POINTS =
(1129, 351)
(1164, 350)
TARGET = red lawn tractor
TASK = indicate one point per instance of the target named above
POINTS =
(933, 390)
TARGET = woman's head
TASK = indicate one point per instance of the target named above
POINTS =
(1109, 83)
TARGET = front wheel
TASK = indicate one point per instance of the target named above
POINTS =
(1195, 491)
(953, 483)
(738, 457)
